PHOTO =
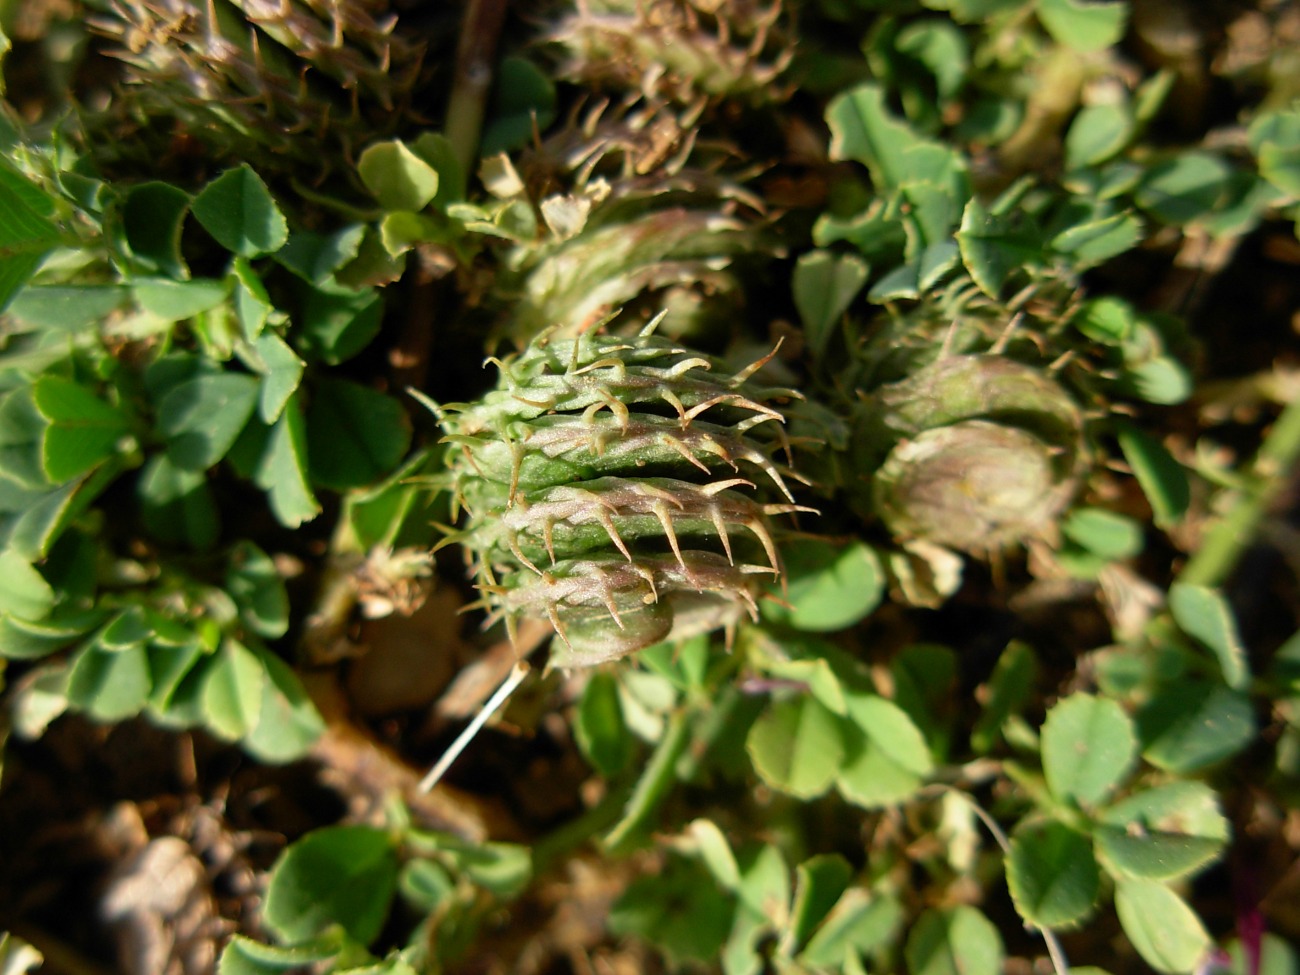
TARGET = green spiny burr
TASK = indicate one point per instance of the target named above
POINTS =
(621, 488)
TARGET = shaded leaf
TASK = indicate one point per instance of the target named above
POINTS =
(1194, 724)
(1163, 480)
(953, 941)
(338, 324)
(282, 469)
(202, 417)
(355, 435)
(1184, 188)
(1008, 690)
(824, 286)
(524, 102)
(153, 216)
(257, 587)
(1053, 876)
(679, 911)
(598, 727)
(236, 208)
(177, 505)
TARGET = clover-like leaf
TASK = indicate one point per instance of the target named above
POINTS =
(1052, 873)
(237, 209)
(1162, 833)
(797, 746)
(397, 177)
(830, 586)
(342, 875)
(953, 941)
(1089, 745)
(1165, 931)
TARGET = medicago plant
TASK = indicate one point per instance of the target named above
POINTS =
(873, 422)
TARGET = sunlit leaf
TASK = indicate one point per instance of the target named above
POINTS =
(1089, 745)
(1162, 833)
(797, 746)
(829, 587)
(397, 177)
(1164, 930)
(1205, 614)
(342, 875)
(1084, 25)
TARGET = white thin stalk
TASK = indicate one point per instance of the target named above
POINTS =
(515, 678)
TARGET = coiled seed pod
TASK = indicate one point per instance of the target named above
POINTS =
(621, 488)
(979, 452)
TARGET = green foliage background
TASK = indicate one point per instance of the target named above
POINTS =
(1027, 690)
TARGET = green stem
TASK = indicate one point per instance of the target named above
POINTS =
(576, 833)
(654, 784)
(1229, 537)
(1059, 962)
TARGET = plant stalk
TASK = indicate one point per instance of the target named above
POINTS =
(475, 56)
(1224, 543)
(654, 784)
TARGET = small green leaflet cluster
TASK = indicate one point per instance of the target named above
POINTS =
(569, 258)
(1145, 843)
(330, 893)
(745, 909)
(122, 371)
(611, 485)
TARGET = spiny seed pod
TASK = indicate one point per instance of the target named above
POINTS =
(618, 487)
(265, 80)
(982, 452)
(647, 219)
(678, 50)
